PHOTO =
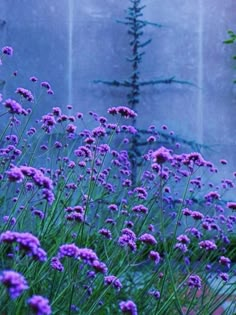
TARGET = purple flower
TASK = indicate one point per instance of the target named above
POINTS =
(123, 111)
(9, 219)
(71, 128)
(196, 215)
(46, 85)
(155, 256)
(155, 293)
(212, 195)
(224, 162)
(208, 245)
(69, 250)
(98, 132)
(99, 266)
(231, 205)
(56, 264)
(39, 305)
(108, 280)
(79, 115)
(194, 281)
(83, 151)
(187, 212)
(7, 50)
(106, 233)
(48, 195)
(148, 239)
(225, 261)
(193, 158)
(161, 155)
(140, 209)
(182, 247)
(128, 238)
(194, 232)
(224, 276)
(27, 242)
(15, 174)
(48, 122)
(128, 307)
(183, 239)
(151, 139)
(14, 107)
(141, 192)
(25, 93)
(33, 79)
(87, 254)
(31, 245)
(38, 213)
(14, 282)
(113, 207)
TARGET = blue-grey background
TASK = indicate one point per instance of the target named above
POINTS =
(70, 43)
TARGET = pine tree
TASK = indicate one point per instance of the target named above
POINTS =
(136, 26)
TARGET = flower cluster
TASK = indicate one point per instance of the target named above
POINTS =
(7, 50)
(123, 111)
(128, 238)
(27, 242)
(39, 305)
(75, 213)
(128, 307)
(26, 94)
(14, 107)
(17, 174)
(14, 282)
(119, 216)
(114, 281)
(194, 281)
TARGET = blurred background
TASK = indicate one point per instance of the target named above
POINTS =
(71, 43)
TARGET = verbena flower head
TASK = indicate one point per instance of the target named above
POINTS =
(56, 264)
(46, 85)
(69, 250)
(14, 282)
(87, 254)
(155, 293)
(7, 50)
(161, 155)
(48, 122)
(197, 215)
(14, 107)
(231, 205)
(225, 261)
(128, 238)
(15, 175)
(39, 305)
(194, 281)
(128, 307)
(27, 242)
(140, 209)
(123, 111)
(183, 239)
(99, 266)
(25, 94)
(224, 276)
(208, 245)
(148, 239)
(153, 255)
(114, 281)
(106, 233)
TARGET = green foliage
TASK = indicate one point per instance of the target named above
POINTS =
(231, 41)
